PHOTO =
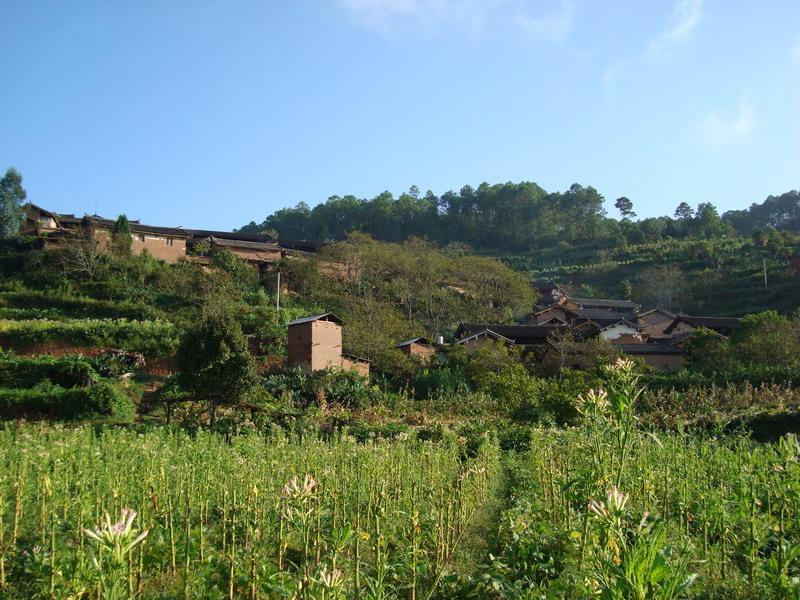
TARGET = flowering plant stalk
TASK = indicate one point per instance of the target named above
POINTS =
(113, 543)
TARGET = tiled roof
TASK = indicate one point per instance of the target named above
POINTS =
(520, 334)
(416, 340)
(323, 317)
(137, 227)
(713, 323)
(603, 303)
(649, 349)
(225, 243)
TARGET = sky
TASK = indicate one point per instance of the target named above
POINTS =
(210, 114)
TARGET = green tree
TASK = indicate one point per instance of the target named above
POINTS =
(121, 239)
(684, 212)
(708, 352)
(214, 363)
(766, 338)
(12, 194)
(707, 222)
(625, 207)
(240, 272)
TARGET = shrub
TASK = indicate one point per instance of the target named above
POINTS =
(322, 388)
(27, 304)
(365, 432)
(767, 338)
(214, 362)
(558, 397)
(155, 338)
(52, 401)
(67, 371)
(108, 400)
(511, 387)
(435, 382)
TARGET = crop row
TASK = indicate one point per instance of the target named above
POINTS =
(250, 517)
(155, 338)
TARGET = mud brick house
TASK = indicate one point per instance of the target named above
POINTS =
(654, 322)
(260, 251)
(165, 243)
(665, 357)
(621, 331)
(38, 221)
(528, 336)
(555, 313)
(686, 324)
(476, 340)
(315, 343)
(549, 292)
(419, 347)
(351, 362)
(626, 308)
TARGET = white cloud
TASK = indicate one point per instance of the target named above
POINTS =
(553, 26)
(686, 16)
(685, 19)
(611, 76)
(719, 130)
(547, 19)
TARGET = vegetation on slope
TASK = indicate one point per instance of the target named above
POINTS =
(519, 217)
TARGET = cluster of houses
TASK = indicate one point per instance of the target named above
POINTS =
(657, 336)
(169, 244)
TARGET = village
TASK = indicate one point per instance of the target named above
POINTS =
(400, 300)
(656, 336)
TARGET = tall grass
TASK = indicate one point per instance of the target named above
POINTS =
(247, 517)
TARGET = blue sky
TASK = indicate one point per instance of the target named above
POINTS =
(213, 113)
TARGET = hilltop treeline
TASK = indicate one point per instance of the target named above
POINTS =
(518, 216)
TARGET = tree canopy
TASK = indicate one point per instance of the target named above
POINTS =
(12, 195)
(516, 217)
(387, 292)
(213, 359)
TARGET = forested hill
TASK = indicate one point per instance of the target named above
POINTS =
(518, 217)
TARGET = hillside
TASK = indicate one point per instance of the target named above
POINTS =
(694, 260)
(723, 276)
(163, 375)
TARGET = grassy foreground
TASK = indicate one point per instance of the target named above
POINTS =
(605, 509)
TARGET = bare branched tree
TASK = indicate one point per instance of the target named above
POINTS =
(82, 254)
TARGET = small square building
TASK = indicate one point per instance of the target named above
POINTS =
(419, 347)
(315, 343)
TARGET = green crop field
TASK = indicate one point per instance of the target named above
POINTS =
(606, 510)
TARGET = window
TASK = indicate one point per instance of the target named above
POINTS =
(141, 237)
(169, 241)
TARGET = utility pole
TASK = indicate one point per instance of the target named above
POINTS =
(765, 273)
(278, 293)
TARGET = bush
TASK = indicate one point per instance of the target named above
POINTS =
(302, 389)
(27, 304)
(558, 397)
(435, 382)
(108, 400)
(67, 371)
(737, 374)
(155, 338)
(52, 401)
(511, 388)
